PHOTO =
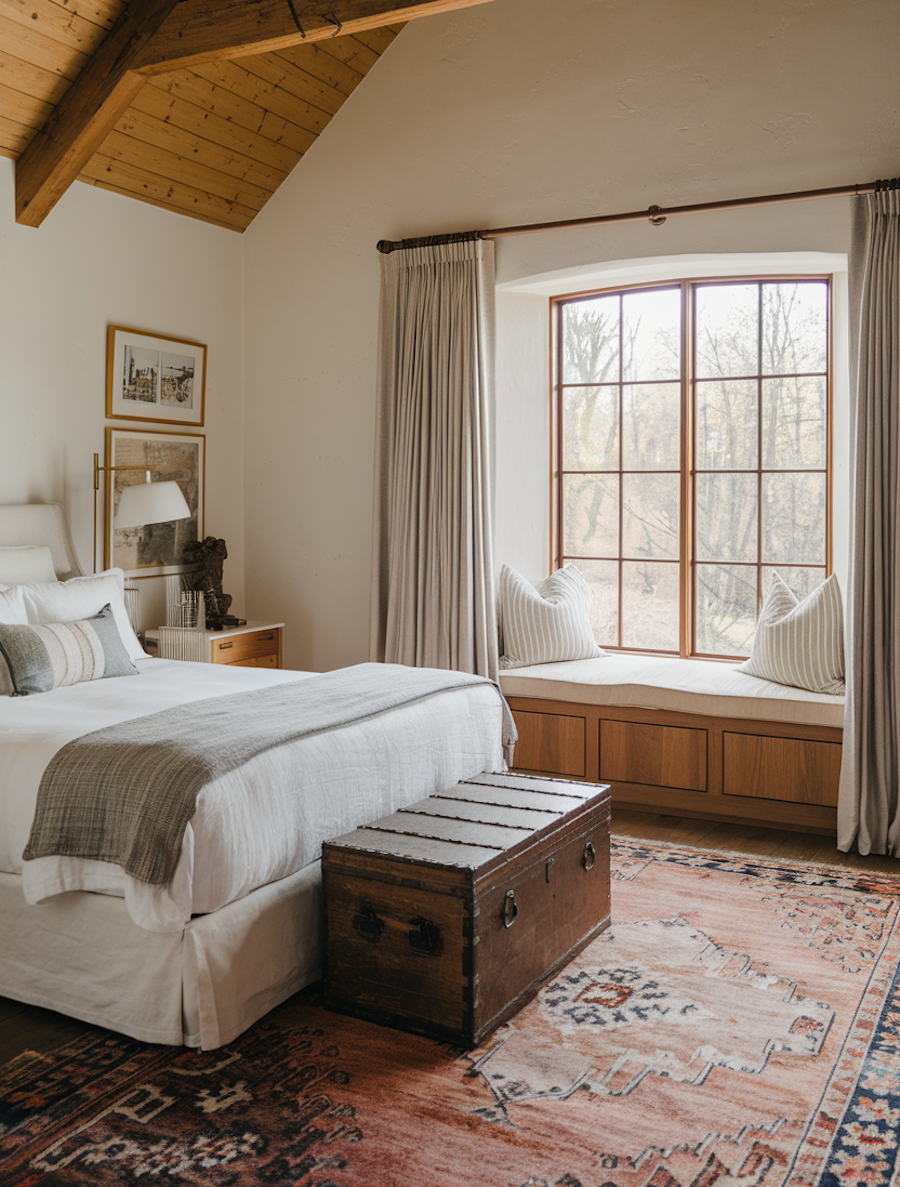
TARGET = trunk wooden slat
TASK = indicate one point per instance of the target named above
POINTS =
(446, 917)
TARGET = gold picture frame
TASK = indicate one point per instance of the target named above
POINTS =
(154, 550)
(154, 377)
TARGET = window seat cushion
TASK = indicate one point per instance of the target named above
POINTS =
(685, 685)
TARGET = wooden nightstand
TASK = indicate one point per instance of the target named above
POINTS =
(256, 645)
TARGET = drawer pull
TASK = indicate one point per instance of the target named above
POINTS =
(266, 638)
(589, 856)
(548, 869)
(225, 646)
(510, 910)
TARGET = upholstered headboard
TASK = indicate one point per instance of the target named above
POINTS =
(40, 523)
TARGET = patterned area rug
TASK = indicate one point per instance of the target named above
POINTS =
(736, 1027)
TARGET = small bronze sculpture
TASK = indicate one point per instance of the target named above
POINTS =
(209, 555)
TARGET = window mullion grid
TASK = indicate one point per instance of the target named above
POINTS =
(688, 519)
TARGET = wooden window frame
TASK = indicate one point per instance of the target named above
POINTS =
(686, 563)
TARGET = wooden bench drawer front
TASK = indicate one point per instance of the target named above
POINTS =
(551, 742)
(242, 649)
(772, 768)
(658, 755)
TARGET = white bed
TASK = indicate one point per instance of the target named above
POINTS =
(238, 930)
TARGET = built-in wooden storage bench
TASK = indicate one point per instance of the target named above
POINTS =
(713, 764)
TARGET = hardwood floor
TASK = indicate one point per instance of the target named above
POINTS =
(28, 1028)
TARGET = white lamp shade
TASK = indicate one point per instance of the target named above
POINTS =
(151, 502)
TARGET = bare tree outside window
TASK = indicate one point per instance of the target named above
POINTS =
(755, 469)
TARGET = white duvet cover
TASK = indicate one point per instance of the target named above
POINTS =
(254, 825)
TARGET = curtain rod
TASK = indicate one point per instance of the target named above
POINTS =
(655, 214)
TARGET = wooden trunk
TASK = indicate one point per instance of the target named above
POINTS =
(446, 917)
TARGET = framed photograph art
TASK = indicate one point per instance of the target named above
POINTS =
(152, 377)
(154, 549)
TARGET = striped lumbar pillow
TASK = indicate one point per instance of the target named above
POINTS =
(546, 624)
(800, 644)
(55, 654)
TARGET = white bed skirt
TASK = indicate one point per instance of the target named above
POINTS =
(80, 954)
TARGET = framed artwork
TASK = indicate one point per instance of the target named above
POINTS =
(152, 377)
(154, 549)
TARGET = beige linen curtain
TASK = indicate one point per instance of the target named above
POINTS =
(433, 594)
(869, 803)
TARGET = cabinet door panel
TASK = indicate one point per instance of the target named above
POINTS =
(552, 742)
(658, 755)
(781, 768)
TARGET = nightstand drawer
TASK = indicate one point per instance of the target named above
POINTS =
(256, 661)
(252, 648)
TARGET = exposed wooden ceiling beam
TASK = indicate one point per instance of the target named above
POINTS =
(157, 36)
(86, 114)
(210, 30)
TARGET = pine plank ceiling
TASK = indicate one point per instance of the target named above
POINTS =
(212, 140)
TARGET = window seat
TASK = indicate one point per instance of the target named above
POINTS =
(686, 737)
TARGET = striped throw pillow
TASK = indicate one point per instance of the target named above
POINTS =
(800, 644)
(546, 624)
(56, 654)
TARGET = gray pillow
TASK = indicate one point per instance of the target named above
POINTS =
(57, 654)
(800, 644)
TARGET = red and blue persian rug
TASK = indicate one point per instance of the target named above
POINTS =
(738, 1026)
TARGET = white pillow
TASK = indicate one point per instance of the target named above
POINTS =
(549, 623)
(800, 644)
(12, 610)
(83, 597)
(33, 562)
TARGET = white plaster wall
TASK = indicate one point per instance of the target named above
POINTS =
(518, 111)
(98, 259)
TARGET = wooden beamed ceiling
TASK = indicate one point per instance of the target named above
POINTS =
(202, 107)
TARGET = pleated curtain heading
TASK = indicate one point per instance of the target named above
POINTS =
(433, 590)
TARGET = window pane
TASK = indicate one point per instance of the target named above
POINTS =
(726, 609)
(651, 335)
(651, 426)
(726, 417)
(794, 423)
(591, 428)
(727, 525)
(603, 578)
(793, 526)
(727, 330)
(591, 515)
(650, 606)
(801, 581)
(650, 515)
(590, 342)
(794, 327)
